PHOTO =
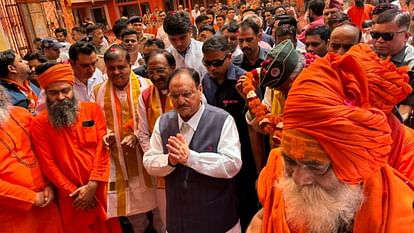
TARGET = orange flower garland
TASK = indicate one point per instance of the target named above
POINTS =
(272, 124)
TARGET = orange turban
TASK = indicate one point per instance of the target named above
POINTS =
(387, 84)
(329, 101)
(56, 73)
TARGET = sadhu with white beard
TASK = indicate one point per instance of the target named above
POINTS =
(331, 173)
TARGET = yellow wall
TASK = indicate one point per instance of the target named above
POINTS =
(4, 43)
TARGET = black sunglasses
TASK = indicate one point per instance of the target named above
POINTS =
(215, 63)
(387, 36)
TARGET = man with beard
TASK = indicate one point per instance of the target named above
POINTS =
(14, 77)
(27, 201)
(153, 102)
(68, 139)
(131, 192)
(331, 173)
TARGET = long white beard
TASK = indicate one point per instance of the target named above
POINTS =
(318, 210)
(4, 105)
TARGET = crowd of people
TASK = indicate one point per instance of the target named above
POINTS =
(219, 119)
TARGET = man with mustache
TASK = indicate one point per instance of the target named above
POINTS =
(153, 102)
(219, 88)
(27, 201)
(14, 77)
(68, 139)
(131, 191)
(331, 173)
(249, 38)
(196, 147)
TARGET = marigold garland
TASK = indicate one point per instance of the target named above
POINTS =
(272, 124)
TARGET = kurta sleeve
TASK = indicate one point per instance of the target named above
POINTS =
(100, 170)
(16, 196)
(143, 133)
(155, 161)
(41, 141)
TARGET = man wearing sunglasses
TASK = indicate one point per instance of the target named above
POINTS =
(390, 35)
(219, 87)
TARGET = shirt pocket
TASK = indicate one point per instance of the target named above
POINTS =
(88, 136)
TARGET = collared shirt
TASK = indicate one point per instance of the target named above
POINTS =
(405, 57)
(84, 92)
(193, 57)
(226, 163)
(163, 36)
(245, 65)
(225, 95)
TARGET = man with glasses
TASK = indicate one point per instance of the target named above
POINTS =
(149, 46)
(390, 35)
(14, 77)
(197, 149)
(219, 88)
(153, 102)
(343, 38)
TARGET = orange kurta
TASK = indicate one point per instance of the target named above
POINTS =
(72, 156)
(20, 183)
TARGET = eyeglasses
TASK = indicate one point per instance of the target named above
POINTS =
(155, 71)
(387, 36)
(185, 95)
(215, 63)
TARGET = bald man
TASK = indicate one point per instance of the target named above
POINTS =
(343, 38)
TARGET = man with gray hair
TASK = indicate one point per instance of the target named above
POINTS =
(196, 147)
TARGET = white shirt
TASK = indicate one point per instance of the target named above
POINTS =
(193, 57)
(226, 163)
(84, 92)
(163, 36)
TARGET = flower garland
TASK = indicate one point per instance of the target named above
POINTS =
(272, 124)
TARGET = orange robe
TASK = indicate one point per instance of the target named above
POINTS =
(19, 183)
(358, 14)
(72, 156)
(387, 208)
